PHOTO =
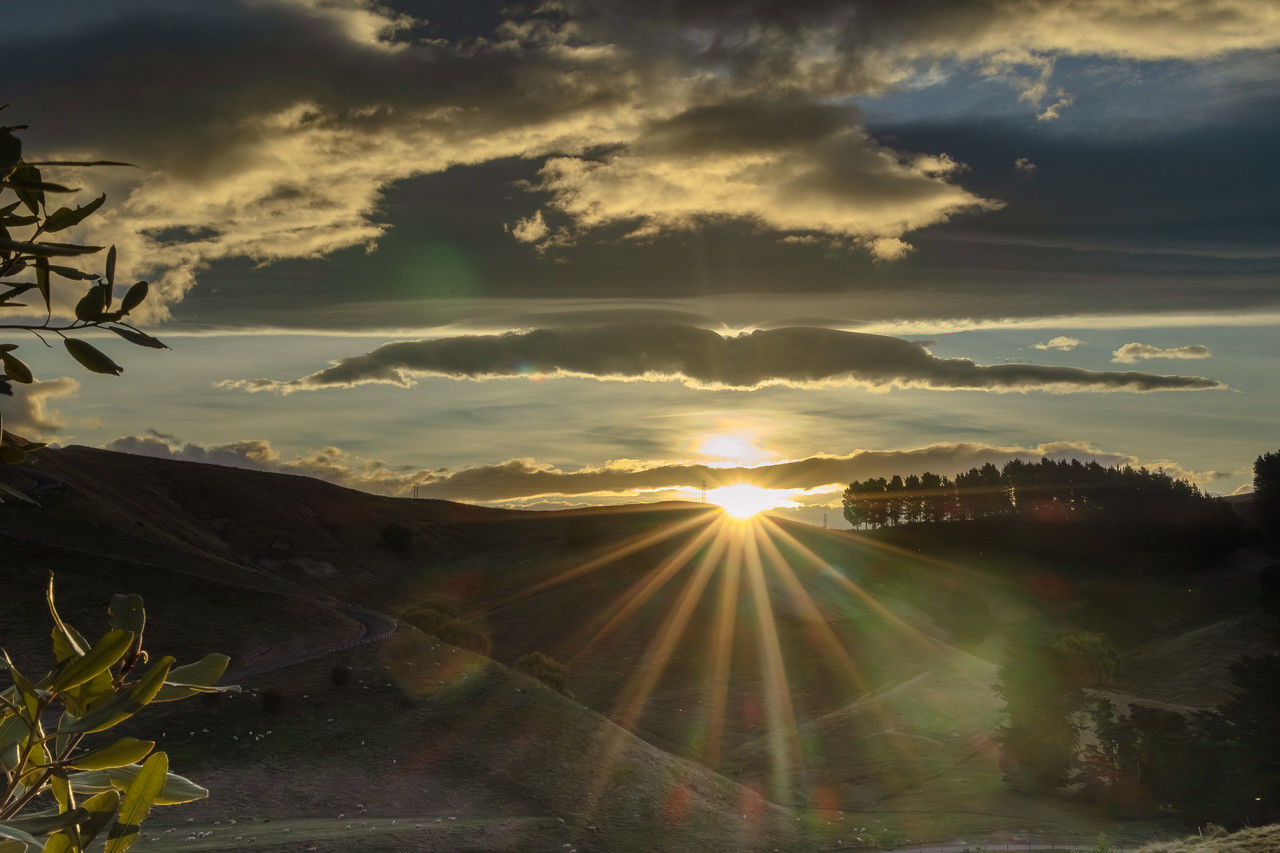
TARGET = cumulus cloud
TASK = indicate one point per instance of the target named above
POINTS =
(1130, 353)
(1024, 166)
(528, 479)
(702, 358)
(28, 413)
(328, 463)
(784, 167)
(1061, 342)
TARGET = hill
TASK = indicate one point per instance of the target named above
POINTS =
(805, 678)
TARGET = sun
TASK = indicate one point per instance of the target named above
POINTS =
(743, 500)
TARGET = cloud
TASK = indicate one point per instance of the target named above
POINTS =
(1023, 166)
(784, 167)
(1130, 353)
(250, 151)
(528, 479)
(27, 412)
(1061, 342)
(705, 359)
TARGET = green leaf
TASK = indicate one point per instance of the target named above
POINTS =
(15, 369)
(111, 263)
(137, 803)
(10, 832)
(134, 336)
(10, 151)
(176, 789)
(101, 808)
(123, 752)
(46, 822)
(18, 221)
(12, 845)
(33, 199)
(72, 273)
(91, 357)
(198, 677)
(66, 645)
(98, 659)
(123, 705)
(65, 249)
(66, 217)
(37, 185)
(134, 296)
(26, 690)
(59, 842)
(42, 280)
(9, 490)
(91, 305)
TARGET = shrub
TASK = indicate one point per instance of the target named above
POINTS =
(397, 537)
(91, 688)
(340, 676)
(466, 635)
(546, 669)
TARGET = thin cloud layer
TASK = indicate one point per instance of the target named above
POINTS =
(527, 479)
(705, 359)
(1130, 353)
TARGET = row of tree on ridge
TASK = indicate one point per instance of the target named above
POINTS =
(1050, 489)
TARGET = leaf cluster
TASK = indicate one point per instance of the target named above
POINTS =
(82, 790)
(32, 266)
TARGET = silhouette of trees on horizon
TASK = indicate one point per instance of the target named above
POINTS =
(1045, 490)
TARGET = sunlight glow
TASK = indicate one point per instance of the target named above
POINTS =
(733, 448)
(743, 500)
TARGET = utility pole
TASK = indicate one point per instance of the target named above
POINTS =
(704, 491)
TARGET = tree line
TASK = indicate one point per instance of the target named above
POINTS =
(1046, 489)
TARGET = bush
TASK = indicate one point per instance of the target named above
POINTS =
(91, 688)
(340, 676)
(397, 537)
(546, 669)
(466, 635)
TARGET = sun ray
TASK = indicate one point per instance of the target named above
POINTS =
(783, 734)
(847, 583)
(624, 605)
(658, 654)
(637, 543)
(722, 653)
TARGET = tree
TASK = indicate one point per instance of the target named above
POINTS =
(1266, 492)
(92, 687)
(31, 253)
(1040, 738)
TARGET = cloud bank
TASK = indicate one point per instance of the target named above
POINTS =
(527, 479)
(701, 358)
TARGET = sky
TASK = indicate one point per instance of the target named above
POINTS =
(576, 252)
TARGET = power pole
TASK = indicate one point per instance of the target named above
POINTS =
(704, 491)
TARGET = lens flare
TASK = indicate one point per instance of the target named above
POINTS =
(743, 500)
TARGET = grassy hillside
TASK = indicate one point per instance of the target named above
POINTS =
(748, 682)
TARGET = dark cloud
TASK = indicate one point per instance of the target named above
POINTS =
(703, 358)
